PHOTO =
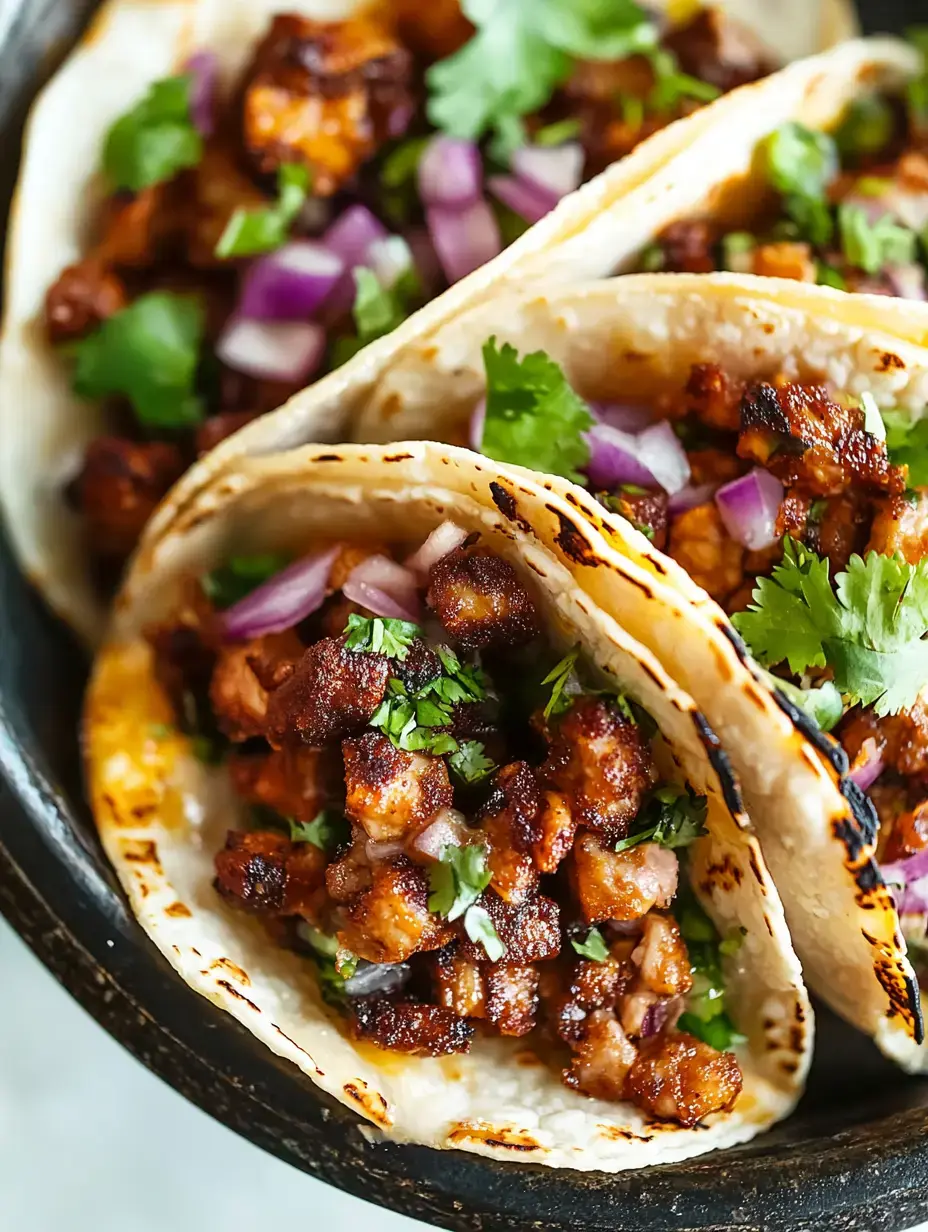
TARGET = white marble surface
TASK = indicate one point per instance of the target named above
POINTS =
(91, 1142)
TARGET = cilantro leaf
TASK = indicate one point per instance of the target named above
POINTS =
(481, 929)
(671, 85)
(719, 1032)
(673, 817)
(401, 165)
(822, 704)
(866, 128)
(520, 53)
(533, 416)
(378, 309)
(155, 139)
(873, 245)
(907, 444)
(594, 947)
(869, 630)
(558, 678)
(381, 635)
(800, 163)
(706, 1016)
(470, 763)
(827, 276)
(458, 879)
(327, 831)
(408, 719)
(149, 354)
(240, 575)
(557, 133)
(249, 232)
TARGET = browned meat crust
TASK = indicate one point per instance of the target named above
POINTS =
(264, 872)
(295, 782)
(480, 601)
(81, 299)
(621, 885)
(119, 488)
(243, 674)
(390, 792)
(332, 691)
(530, 932)
(390, 922)
(573, 990)
(701, 544)
(688, 246)
(402, 1026)
(679, 1078)
(900, 525)
(647, 511)
(603, 1056)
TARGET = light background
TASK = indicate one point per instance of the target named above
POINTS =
(91, 1142)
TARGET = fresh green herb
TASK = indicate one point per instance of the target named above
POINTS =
(827, 276)
(154, 140)
(459, 682)
(869, 629)
(520, 54)
(873, 420)
(719, 1032)
(671, 85)
(594, 947)
(148, 353)
(705, 1015)
(652, 259)
(731, 944)
(533, 417)
(379, 309)
(738, 251)
(207, 749)
(240, 575)
(334, 965)
(673, 817)
(560, 676)
(866, 128)
(872, 185)
(381, 635)
(557, 133)
(249, 232)
(482, 931)
(873, 245)
(401, 165)
(800, 162)
(823, 704)
(409, 721)
(327, 831)
(633, 110)
(907, 444)
(917, 88)
(470, 763)
(458, 879)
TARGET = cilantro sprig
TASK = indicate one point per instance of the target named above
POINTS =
(868, 629)
(470, 764)
(148, 353)
(410, 719)
(706, 1016)
(907, 444)
(673, 817)
(249, 232)
(456, 881)
(561, 677)
(380, 635)
(327, 830)
(800, 162)
(594, 947)
(155, 139)
(871, 246)
(533, 416)
(378, 309)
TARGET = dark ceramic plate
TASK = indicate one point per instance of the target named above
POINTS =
(855, 1155)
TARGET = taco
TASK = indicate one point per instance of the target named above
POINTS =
(750, 448)
(382, 782)
(251, 198)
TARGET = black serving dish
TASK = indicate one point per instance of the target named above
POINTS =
(855, 1155)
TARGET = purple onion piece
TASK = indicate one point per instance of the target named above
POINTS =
(475, 428)
(691, 496)
(291, 283)
(382, 602)
(660, 450)
(870, 769)
(748, 507)
(203, 68)
(554, 169)
(614, 459)
(464, 239)
(907, 281)
(622, 416)
(450, 173)
(288, 351)
(655, 1018)
(530, 201)
(350, 237)
(282, 601)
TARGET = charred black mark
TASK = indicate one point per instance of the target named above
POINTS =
(868, 878)
(846, 832)
(506, 503)
(398, 457)
(862, 808)
(720, 764)
(806, 726)
(729, 630)
(294, 1044)
(914, 995)
(572, 541)
(651, 673)
(758, 875)
(902, 990)
(889, 360)
(328, 457)
(230, 988)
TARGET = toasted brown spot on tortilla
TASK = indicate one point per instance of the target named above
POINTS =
(327, 457)
(493, 1135)
(193, 950)
(371, 1102)
(233, 970)
(140, 851)
(294, 1044)
(141, 811)
(573, 542)
(398, 457)
(725, 871)
(721, 662)
(391, 405)
(789, 1065)
(506, 503)
(758, 875)
(527, 1059)
(429, 353)
(768, 327)
(888, 359)
(796, 1038)
(902, 991)
(617, 1133)
(179, 911)
(230, 988)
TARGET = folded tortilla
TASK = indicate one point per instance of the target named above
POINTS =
(44, 427)
(161, 814)
(628, 340)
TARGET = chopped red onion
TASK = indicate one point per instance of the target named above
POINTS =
(529, 200)
(400, 118)
(907, 281)
(691, 496)
(387, 849)
(464, 239)
(870, 766)
(625, 418)
(203, 68)
(450, 173)
(478, 420)
(443, 539)
(558, 169)
(390, 259)
(748, 507)
(291, 283)
(282, 601)
(276, 350)
(449, 829)
(350, 237)
(380, 978)
(384, 588)
(655, 1018)
(653, 457)
(908, 879)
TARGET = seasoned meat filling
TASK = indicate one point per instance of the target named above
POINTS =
(441, 894)
(119, 488)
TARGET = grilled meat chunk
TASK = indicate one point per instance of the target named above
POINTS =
(326, 95)
(119, 488)
(507, 820)
(837, 528)
(503, 994)
(218, 427)
(805, 438)
(648, 512)
(900, 525)
(603, 1056)
(601, 762)
(714, 48)
(242, 676)
(901, 739)
(82, 298)
(679, 1078)
(391, 921)
(480, 601)
(332, 691)
(295, 782)
(219, 187)
(264, 872)
(351, 873)
(701, 544)
(786, 260)
(688, 246)
(661, 958)
(391, 792)
(621, 885)
(459, 984)
(404, 1026)
(553, 832)
(530, 931)
(575, 989)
